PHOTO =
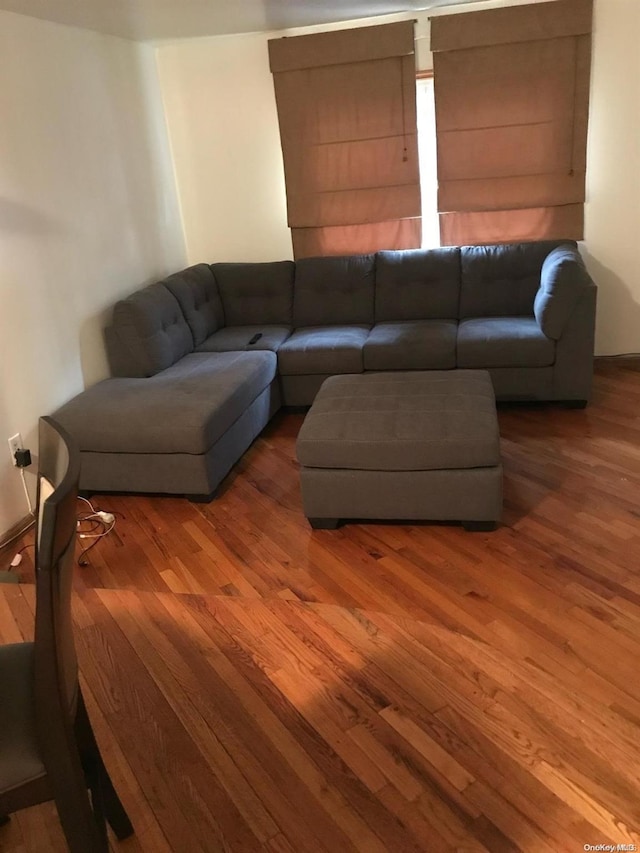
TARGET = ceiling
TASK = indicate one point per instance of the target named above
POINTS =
(174, 19)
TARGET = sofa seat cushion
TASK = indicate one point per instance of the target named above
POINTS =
(412, 345)
(184, 409)
(323, 349)
(237, 338)
(417, 421)
(503, 342)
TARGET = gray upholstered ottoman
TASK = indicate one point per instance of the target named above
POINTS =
(415, 445)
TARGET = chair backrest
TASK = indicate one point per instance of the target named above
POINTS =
(56, 666)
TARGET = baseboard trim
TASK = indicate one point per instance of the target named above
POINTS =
(17, 530)
(630, 359)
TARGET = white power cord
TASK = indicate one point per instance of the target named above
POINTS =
(106, 520)
(17, 559)
(104, 517)
(98, 516)
(111, 524)
(90, 505)
(26, 491)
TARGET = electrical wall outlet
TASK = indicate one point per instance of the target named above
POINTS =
(15, 443)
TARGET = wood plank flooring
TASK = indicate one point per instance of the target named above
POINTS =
(257, 686)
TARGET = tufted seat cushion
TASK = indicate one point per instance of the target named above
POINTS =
(323, 349)
(402, 422)
(184, 409)
(237, 338)
(504, 342)
(412, 345)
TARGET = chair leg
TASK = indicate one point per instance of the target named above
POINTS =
(78, 819)
(105, 799)
(97, 804)
(67, 786)
(112, 807)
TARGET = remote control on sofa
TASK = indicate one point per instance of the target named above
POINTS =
(255, 338)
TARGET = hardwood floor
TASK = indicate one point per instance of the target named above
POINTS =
(256, 686)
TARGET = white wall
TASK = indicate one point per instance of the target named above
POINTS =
(221, 113)
(224, 135)
(88, 212)
(612, 214)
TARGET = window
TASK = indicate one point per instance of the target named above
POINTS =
(347, 116)
(512, 105)
(428, 163)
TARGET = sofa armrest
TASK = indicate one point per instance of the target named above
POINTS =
(573, 369)
(563, 282)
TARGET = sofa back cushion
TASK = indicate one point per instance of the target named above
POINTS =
(256, 294)
(417, 284)
(148, 334)
(501, 281)
(197, 292)
(562, 282)
(334, 291)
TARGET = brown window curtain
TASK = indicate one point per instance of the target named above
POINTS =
(347, 113)
(512, 103)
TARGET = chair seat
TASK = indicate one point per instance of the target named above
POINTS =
(18, 746)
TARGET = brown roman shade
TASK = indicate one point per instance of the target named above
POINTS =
(512, 103)
(347, 113)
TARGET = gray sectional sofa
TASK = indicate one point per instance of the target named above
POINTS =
(203, 359)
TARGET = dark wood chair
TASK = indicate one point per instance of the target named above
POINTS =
(47, 747)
